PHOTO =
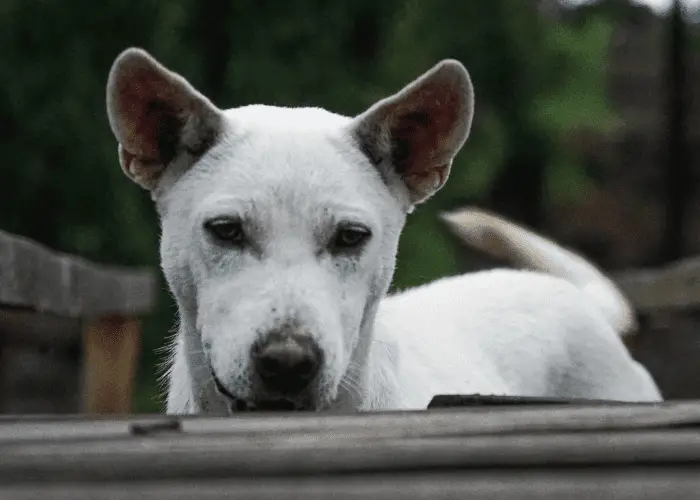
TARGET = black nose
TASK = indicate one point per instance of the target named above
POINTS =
(287, 364)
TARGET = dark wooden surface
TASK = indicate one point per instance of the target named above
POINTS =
(471, 400)
(668, 344)
(40, 365)
(34, 277)
(516, 452)
(46, 379)
(24, 327)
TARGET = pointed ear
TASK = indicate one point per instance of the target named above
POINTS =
(416, 133)
(156, 116)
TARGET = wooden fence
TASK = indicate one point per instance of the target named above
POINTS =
(66, 323)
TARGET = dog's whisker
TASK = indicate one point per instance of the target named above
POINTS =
(351, 378)
(351, 384)
(351, 390)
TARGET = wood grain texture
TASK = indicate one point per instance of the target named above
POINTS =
(149, 458)
(296, 445)
(436, 423)
(647, 451)
(433, 423)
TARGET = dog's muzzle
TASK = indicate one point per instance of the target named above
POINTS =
(285, 370)
(237, 404)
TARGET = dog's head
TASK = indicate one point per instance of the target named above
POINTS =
(280, 225)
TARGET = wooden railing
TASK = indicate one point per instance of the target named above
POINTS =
(69, 330)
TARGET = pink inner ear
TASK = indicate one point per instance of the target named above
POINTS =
(149, 106)
(422, 127)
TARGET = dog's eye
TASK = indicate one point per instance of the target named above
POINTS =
(350, 237)
(226, 230)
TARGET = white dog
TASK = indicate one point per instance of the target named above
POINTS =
(279, 235)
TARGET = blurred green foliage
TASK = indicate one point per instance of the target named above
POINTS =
(536, 81)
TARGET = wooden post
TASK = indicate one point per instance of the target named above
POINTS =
(110, 360)
(46, 297)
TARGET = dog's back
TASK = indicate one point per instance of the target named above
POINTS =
(524, 332)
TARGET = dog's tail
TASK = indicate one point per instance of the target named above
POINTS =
(523, 248)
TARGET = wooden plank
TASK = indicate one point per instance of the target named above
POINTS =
(221, 448)
(676, 286)
(221, 456)
(384, 425)
(111, 346)
(35, 277)
(615, 484)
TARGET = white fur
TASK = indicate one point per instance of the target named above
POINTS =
(292, 175)
(502, 238)
(500, 332)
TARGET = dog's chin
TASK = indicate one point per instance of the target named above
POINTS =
(265, 403)
(237, 405)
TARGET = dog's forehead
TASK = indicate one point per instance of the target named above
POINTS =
(266, 143)
(270, 118)
(299, 159)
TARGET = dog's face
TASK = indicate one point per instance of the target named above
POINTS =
(280, 225)
(282, 228)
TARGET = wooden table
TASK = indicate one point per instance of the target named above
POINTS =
(555, 452)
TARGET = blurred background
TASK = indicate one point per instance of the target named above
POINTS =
(587, 124)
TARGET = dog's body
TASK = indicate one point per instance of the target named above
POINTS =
(280, 229)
